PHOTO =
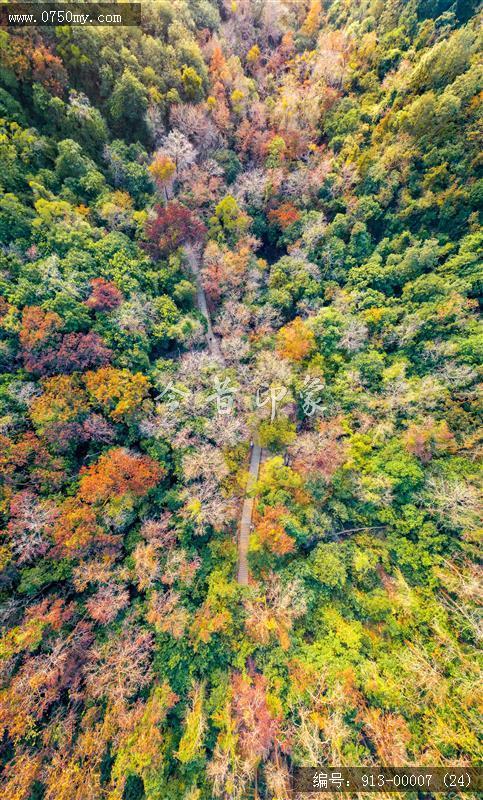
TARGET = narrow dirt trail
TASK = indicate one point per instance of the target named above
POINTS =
(257, 453)
(194, 262)
(246, 516)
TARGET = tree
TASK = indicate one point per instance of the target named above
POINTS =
(229, 222)
(390, 734)
(38, 327)
(142, 745)
(47, 352)
(191, 742)
(146, 565)
(127, 107)
(172, 226)
(163, 170)
(177, 147)
(428, 438)
(42, 679)
(119, 392)
(192, 84)
(166, 613)
(292, 279)
(48, 69)
(30, 526)
(270, 531)
(276, 150)
(274, 614)
(322, 451)
(27, 461)
(105, 296)
(225, 271)
(15, 218)
(257, 726)
(311, 22)
(107, 495)
(208, 621)
(194, 122)
(116, 473)
(327, 565)
(62, 401)
(276, 434)
(295, 340)
(107, 602)
(285, 215)
(121, 667)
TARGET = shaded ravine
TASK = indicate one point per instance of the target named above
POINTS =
(256, 454)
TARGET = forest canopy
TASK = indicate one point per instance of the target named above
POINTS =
(242, 230)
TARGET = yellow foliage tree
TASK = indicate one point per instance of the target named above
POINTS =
(163, 170)
(311, 22)
(63, 400)
(192, 739)
(120, 392)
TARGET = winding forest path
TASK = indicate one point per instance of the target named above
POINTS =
(193, 257)
(256, 456)
(246, 516)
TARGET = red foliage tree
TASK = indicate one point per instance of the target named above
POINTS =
(31, 59)
(75, 352)
(105, 605)
(47, 352)
(321, 451)
(161, 533)
(172, 226)
(105, 296)
(122, 666)
(41, 680)
(95, 428)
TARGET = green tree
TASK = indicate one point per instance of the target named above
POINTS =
(229, 222)
(192, 84)
(127, 108)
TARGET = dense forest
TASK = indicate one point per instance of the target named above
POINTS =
(247, 224)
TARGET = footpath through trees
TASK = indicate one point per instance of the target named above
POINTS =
(256, 453)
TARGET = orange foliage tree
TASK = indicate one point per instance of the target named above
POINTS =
(107, 492)
(295, 340)
(270, 531)
(38, 326)
(285, 215)
(118, 472)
